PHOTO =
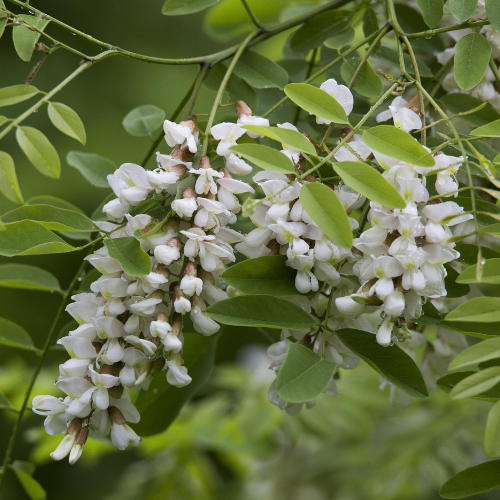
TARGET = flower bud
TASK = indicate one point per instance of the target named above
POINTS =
(205, 163)
(77, 449)
(242, 108)
(181, 303)
(116, 416)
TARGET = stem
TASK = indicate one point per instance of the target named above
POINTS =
(310, 68)
(222, 88)
(494, 69)
(195, 89)
(252, 15)
(48, 343)
(441, 75)
(430, 33)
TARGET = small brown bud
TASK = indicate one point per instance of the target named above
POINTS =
(174, 243)
(97, 346)
(182, 154)
(163, 270)
(176, 357)
(310, 178)
(227, 174)
(116, 416)
(176, 324)
(74, 426)
(157, 294)
(189, 192)
(190, 124)
(162, 317)
(178, 293)
(307, 341)
(205, 162)
(274, 246)
(210, 196)
(81, 439)
(116, 392)
(190, 269)
(206, 276)
(198, 301)
(242, 108)
(178, 170)
(414, 104)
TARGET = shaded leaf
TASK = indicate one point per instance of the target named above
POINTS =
(432, 11)
(3, 22)
(492, 432)
(472, 481)
(370, 23)
(183, 7)
(265, 157)
(25, 38)
(493, 13)
(27, 277)
(468, 251)
(260, 72)
(462, 9)
(144, 120)
(16, 93)
(390, 56)
(5, 404)
(128, 252)
(367, 83)
(94, 168)
(454, 289)
(13, 335)
(9, 185)
(472, 55)
(456, 102)
(341, 40)
(31, 486)
(67, 121)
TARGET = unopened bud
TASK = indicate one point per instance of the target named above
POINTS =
(178, 293)
(97, 346)
(190, 124)
(210, 196)
(116, 416)
(81, 439)
(242, 108)
(176, 324)
(189, 192)
(174, 243)
(198, 301)
(157, 294)
(205, 162)
(176, 357)
(190, 269)
(182, 154)
(116, 392)
(206, 276)
(162, 317)
(74, 426)
(226, 173)
(163, 270)
(274, 247)
(178, 170)
(414, 104)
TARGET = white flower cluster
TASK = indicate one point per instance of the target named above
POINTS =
(131, 327)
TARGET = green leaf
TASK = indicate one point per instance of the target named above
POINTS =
(481, 206)
(448, 382)
(128, 252)
(390, 56)
(26, 277)
(5, 404)
(94, 168)
(492, 432)
(453, 288)
(367, 83)
(13, 335)
(266, 275)
(396, 143)
(319, 28)
(476, 383)
(391, 362)
(291, 139)
(489, 130)
(30, 238)
(472, 55)
(162, 402)
(370, 183)
(265, 157)
(316, 101)
(430, 315)
(39, 151)
(25, 38)
(31, 486)
(456, 102)
(57, 219)
(3, 22)
(8, 179)
(493, 13)
(326, 210)
(462, 9)
(3, 119)
(472, 481)
(260, 72)
(490, 229)
(260, 310)
(478, 309)
(67, 121)
(477, 353)
(370, 22)
(341, 40)
(144, 120)
(490, 273)
(432, 11)
(183, 7)
(468, 251)
(479, 330)
(53, 201)
(16, 93)
(304, 375)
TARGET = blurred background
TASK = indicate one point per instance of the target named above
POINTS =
(229, 442)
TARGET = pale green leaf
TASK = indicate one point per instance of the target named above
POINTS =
(396, 143)
(478, 309)
(260, 72)
(477, 383)
(265, 157)
(316, 101)
(16, 93)
(53, 201)
(304, 375)
(477, 353)
(472, 55)
(13, 335)
(39, 151)
(391, 362)
(432, 11)
(128, 252)
(144, 120)
(492, 432)
(183, 7)
(67, 121)
(326, 210)
(493, 13)
(472, 481)
(94, 168)
(30, 238)
(490, 273)
(367, 83)
(9, 185)
(462, 9)
(370, 183)
(291, 139)
(23, 276)
(260, 310)
(341, 40)
(25, 38)
(31, 486)
(3, 22)
(490, 130)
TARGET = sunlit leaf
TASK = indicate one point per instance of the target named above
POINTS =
(16, 93)
(477, 353)
(291, 139)
(477, 309)
(476, 383)
(265, 157)
(490, 273)
(25, 38)
(67, 121)
(9, 185)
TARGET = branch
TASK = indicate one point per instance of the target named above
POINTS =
(430, 33)
(252, 15)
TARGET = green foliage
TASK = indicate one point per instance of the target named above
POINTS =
(25, 39)
(67, 121)
(476, 383)
(492, 432)
(462, 9)
(31, 486)
(432, 11)
(472, 481)
(16, 93)
(304, 375)
(93, 167)
(367, 83)
(265, 157)
(493, 13)
(144, 120)
(9, 185)
(472, 55)
(13, 335)
(290, 139)
(23, 276)
(341, 40)
(490, 273)
(260, 72)
(128, 252)
(478, 310)
(183, 7)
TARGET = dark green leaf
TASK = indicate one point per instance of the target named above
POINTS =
(182, 7)
(5, 404)
(430, 315)
(432, 11)
(462, 9)
(8, 179)
(367, 83)
(370, 23)
(16, 93)
(390, 56)
(13, 335)
(468, 252)
(391, 362)
(128, 252)
(144, 120)
(265, 157)
(25, 38)
(493, 13)
(453, 288)
(31, 486)
(456, 102)
(341, 40)
(492, 432)
(479, 330)
(94, 168)
(67, 121)
(27, 277)
(3, 22)
(260, 310)
(472, 55)
(260, 72)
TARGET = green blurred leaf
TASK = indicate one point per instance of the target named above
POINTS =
(25, 39)
(453, 288)
(397, 143)
(479, 330)
(490, 273)
(291, 139)
(5, 404)
(94, 168)
(462, 9)
(370, 22)
(472, 481)
(53, 201)
(23, 276)
(489, 130)
(16, 93)
(468, 251)
(477, 309)
(490, 229)
(40, 152)
(369, 182)
(9, 185)
(456, 102)
(265, 157)
(260, 72)
(31, 486)
(183, 7)
(266, 275)
(144, 120)
(476, 383)
(318, 29)
(260, 310)
(13, 335)
(304, 375)
(472, 56)
(432, 11)
(492, 432)
(367, 83)
(54, 218)
(128, 252)
(67, 121)
(390, 56)
(341, 40)
(326, 210)
(391, 362)
(3, 22)
(477, 353)
(316, 101)
(30, 238)
(493, 13)
(160, 404)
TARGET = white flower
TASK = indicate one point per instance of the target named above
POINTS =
(148, 347)
(177, 375)
(185, 207)
(448, 213)
(340, 93)
(191, 285)
(202, 323)
(227, 134)
(177, 134)
(166, 254)
(252, 120)
(205, 183)
(122, 436)
(130, 183)
(237, 166)
(182, 305)
(116, 209)
(78, 347)
(404, 118)
(384, 332)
